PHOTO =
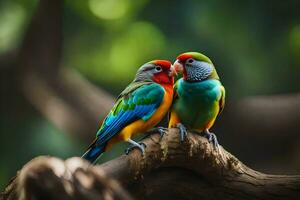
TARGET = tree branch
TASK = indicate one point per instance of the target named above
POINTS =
(70, 102)
(268, 114)
(192, 169)
(51, 178)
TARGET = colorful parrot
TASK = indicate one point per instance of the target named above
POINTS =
(199, 96)
(140, 107)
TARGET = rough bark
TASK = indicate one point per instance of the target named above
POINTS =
(51, 178)
(171, 169)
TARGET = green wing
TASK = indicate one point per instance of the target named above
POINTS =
(138, 103)
(222, 99)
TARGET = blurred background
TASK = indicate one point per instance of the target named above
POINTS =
(62, 63)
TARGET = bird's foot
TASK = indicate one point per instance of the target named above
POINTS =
(211, 138)
(161, 130)
(140, 145)
(182, 131)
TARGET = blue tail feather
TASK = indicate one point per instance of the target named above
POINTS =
(93, 152)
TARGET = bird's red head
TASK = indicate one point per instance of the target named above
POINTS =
(195, 67)
(188, 58)
(183, 57)
(165, 72)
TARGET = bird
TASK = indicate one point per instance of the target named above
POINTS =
(199, 96)
(140, 107)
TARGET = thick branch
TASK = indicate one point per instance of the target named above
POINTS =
(69, 101)
(220, 170)
(51, 178)
(193, 169)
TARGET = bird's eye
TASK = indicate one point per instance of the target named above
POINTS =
(158, 68)
(190, 60)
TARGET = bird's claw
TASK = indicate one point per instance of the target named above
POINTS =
(182, 131)
(141, 146)
(162, 131)
(212, 138)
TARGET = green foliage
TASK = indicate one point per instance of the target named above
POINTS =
(246, 41)
(242, 44)
(119, 55)
(12, 19)
(294, 40)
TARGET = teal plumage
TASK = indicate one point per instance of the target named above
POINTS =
(198, 102)
(199, 95)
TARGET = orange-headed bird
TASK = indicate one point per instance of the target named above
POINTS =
(141, 106)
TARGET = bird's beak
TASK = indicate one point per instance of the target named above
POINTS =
(173, 72)
(178, 67)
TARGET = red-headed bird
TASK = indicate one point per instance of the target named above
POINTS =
(199, 95)
(140, 107)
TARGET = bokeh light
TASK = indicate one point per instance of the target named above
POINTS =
(12, 17)
(109, 9)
